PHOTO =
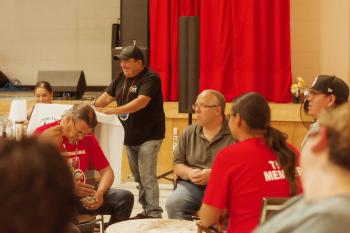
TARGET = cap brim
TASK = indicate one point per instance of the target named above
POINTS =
(120, 57)
(318, 89)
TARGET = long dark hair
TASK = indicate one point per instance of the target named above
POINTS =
(255, 111)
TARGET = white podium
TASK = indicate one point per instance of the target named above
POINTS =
(109, 132)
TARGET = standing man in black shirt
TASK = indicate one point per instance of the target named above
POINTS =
(137, 92)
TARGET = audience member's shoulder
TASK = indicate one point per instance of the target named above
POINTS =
(44, 127)
(325, 223)
(293, 148)
(329, 209)
(191, 128)
(338, 205)
(90, 140)
(231, 151)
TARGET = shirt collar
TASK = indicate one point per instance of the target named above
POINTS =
(225, 130)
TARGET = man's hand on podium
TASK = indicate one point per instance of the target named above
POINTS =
(107, 111)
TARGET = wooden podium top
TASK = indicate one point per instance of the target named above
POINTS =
(279, 112)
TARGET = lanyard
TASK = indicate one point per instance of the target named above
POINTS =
(127, 94)
(75, 159)
(78, 174)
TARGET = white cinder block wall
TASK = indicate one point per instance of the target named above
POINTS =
(320, 38)
(57, 35)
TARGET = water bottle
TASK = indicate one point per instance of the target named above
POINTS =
(9, 129)
(19, 131)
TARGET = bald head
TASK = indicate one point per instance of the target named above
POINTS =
(217, 98)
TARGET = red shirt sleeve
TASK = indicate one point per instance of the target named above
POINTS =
(219, 179)
(97, 157)
(42, 128)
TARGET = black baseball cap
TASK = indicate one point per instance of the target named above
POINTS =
(332, 85)
(128, 52)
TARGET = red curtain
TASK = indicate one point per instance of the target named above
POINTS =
(164, 16)
(244, 45)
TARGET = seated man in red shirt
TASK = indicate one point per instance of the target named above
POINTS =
(73, 135)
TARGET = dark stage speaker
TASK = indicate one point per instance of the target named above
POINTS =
(67, 84)
(3, 79)
(115, 35)
(116, 64)
(134, 23)
(188, 62)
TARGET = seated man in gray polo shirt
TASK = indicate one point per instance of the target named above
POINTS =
(195, 153)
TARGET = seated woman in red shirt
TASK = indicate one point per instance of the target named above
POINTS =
(261, 165)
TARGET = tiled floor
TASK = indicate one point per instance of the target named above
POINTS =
(165, 191)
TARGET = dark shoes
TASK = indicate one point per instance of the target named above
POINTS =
(142, 216)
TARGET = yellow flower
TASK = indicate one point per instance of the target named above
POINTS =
(294, 88)
(301, 83)
(299, 87)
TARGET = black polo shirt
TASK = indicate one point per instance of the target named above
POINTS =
(148, 123)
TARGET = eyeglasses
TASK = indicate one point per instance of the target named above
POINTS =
(201, 106)
(79, 133)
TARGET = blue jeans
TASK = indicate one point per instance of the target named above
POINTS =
(143, 165)
(185, 201)
(116, 202)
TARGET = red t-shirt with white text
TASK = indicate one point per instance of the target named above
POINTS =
(241, 176)
(87, 149)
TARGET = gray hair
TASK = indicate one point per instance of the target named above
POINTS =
(83, 112)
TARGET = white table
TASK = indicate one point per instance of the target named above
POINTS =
(153, 226)
(109, 132)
